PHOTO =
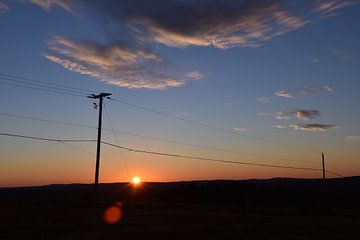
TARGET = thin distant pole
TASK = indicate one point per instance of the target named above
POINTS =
(100, 97)
(323, 179)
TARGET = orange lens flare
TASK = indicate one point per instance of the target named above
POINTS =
(113, 215)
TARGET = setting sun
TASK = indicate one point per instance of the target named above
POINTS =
(136, 180)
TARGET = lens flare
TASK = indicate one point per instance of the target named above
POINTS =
(113, 214)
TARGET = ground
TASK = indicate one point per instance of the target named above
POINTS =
(84, 219)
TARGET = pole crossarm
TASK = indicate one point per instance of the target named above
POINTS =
(101, 95)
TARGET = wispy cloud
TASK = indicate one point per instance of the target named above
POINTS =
(263, 99)
(304, 91)
(277, 115)
(3, 7)
(196, 75)
(306, 115)
(240, 129)
(313, 127)
(285, 94)
(117, 64)
(48, 4)
(315, 60)
(343, 54)
(280, 126)
(301, 114)
(331, 7)
(310, 90)
(352, 139)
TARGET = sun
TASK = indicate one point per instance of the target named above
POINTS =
(136, 180)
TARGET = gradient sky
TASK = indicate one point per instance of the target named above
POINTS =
(284, 71)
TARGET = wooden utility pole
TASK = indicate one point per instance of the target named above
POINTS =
(324, 179)
(100, 97)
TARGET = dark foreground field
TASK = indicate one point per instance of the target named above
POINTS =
(272, 209)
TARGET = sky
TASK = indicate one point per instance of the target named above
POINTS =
(263, 82)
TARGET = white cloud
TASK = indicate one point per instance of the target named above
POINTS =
(282, 116)
(240, 129)
(284, 94)
(301, 114)
(313, 127)
(195, 75)
(306, 115)
(280, 126)
(352, 139)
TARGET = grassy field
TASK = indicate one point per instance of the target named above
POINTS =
(84, 219)
(266, 209)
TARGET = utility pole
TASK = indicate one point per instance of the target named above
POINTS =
(324, 179)
(100, 97)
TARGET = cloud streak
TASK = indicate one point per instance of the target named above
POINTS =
(301, 114)
(313, 127)
(352, 139)
(306, 115)
(284, 94)
(304, 91)
(117, 64)
(239, 130)
(48, 4)
(3, 7)
(329, 8)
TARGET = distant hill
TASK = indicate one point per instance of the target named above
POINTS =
(340, 192)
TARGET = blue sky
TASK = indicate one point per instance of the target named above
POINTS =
(281, 71)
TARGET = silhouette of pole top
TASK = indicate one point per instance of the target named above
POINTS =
(101, 95)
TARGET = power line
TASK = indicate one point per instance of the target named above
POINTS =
(85, 91)
(42, 89)
(77, 148)
(47, 120)
(210, 159)
(63, 141)
(214, 127)
(153, 111)
(169, 154)
(45, 139)
(45, 86)
(343, 159)
(115, 137)
(156, 138)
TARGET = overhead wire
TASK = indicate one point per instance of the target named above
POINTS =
(80, 92)
(46, 83)
(157, 138)
(116, 138)
(214, 127)
(168, 154)
(42, 89)
(210, 159)
(169, 115)
(77, 148)
(45, 139)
